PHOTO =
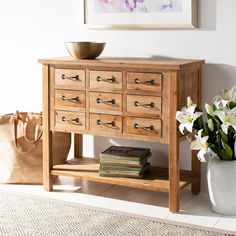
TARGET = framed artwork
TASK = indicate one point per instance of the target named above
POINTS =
(140, 13)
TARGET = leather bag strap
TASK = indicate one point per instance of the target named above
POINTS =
(38, 127)
(16, 119)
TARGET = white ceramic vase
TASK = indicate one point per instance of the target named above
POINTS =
(221, 177)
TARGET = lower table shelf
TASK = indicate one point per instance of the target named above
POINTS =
(88, 168)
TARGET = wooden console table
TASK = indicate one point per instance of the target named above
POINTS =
(125, 98)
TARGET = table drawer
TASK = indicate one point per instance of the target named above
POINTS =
(138, 104)
(141, 126)
(105, 102)
(106, 123)
(69, 121)
(106, 80)
(66, 78)
(151, 82)
(69, 99)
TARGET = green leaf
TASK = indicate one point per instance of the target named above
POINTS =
(228, 150)
(223, 136)
(224, 155)
(205, 129)
(217, 122)
(232, 105)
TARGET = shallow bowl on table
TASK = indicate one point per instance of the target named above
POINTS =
(85, 50)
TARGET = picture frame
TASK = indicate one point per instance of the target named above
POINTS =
(140, 14)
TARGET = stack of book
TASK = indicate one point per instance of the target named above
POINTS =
(120, 161)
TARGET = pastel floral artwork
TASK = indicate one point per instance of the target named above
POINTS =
(137, 6)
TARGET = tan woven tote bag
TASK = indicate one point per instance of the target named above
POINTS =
(21, 148)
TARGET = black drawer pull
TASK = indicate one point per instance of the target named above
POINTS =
(112, 101)
(73, 121)
(74, 99)
(113, 123)
(109, 80)
(148, 128)
(151, 82)
(76, 77)
(149, 105)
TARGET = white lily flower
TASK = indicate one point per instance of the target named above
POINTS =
(220, 103)
(210, 124)
(200, 143)
(186, 117)
(209, 109)
(225, 97)
(229, 95)
(189, 102)
(228, 118)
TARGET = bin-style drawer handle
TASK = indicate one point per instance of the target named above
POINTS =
(148, 105)
(75, 77)
(112, 101)
(74, 99)
(73, 121)
(112, 124)
(150, 82)
(109, 80)
(148, 128)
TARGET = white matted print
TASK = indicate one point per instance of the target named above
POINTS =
(140, 13)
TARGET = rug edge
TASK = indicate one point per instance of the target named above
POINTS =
(128, 214)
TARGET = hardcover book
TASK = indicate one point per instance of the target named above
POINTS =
(125, 172)
(124, 153)
(113, 161)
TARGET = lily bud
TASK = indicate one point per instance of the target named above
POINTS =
(189, 102)
(209, 109)
(210, 124)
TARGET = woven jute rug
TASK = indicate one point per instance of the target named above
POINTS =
(22, 214)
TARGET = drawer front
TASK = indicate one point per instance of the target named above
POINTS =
(66, 78)
(138, 104)
(106, 123)
(106, 80)
(105, 101)
(69, 121)
(69, 99)
(150, 82)
(145, 127)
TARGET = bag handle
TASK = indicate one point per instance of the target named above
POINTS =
(38, 128)
(16, 119)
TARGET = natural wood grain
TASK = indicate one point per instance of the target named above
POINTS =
(67, 121)
(173, 81)
(102, 102)
(173, 145)
(104, 123)
(145, 127)
(129, 62)
(196, 164)
(47, 134)
(105, 81)
(88, 168)
(70, 79)
(150, 82)
(148, 105)
(69, 102)
(78, 145)
(165, 106)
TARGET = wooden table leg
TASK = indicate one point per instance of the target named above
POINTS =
(196, 170)
(47, 161)
(173, 147)
(174, 174)
(78, 145)
(47, 134)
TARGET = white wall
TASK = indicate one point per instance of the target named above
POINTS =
(32, 29)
